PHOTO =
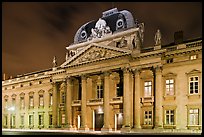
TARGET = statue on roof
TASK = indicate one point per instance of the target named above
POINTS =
(100, 30)
(54, 61)
(157, 37)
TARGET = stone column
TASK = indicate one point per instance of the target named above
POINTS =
(83, 104)
(158, 98)
(107, 126)
(126, 100)
(55, 106)
(137, 109)
(68, 103)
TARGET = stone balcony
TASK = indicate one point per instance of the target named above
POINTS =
(96, 101)
(116, 100)
(147, 100)
(76, 103)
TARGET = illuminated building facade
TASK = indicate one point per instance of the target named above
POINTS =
(110, 81)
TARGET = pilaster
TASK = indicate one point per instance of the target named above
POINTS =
(158, 97)
(68, 102)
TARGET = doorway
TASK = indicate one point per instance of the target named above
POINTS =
(99, 120)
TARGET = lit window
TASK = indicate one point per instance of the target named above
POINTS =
(169, 87)
(147, 88)
(63, 118)
(13, 120)
(40, 118)
(192, 57)
(22, 120)
(22, 103)
(193, 116)
(169, 117)
(193, 85)
(147, 117)
(31, 101)
(31, 120)
(51, 101)
(99, 91)
(41, 100)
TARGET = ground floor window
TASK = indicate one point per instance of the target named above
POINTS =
(6, 120)
(50, 119)
(31, 120)
(22, 120)
(148, 117)
(194, 116)
(40, 118)
(169, 117)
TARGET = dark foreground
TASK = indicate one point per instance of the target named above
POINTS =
(86, 133)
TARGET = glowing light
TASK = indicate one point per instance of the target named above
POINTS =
(100, 110)
(11, 108)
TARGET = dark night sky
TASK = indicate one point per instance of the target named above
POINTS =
(33, 33)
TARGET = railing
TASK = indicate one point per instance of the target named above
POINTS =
(147, 99)
(116, 100)
(96, 101)
(195, 44)
(76, 103)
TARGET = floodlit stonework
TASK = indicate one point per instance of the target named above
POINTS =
(111, 82)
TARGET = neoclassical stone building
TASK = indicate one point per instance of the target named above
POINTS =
(111, 81)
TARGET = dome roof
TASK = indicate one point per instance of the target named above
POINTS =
(112, 21)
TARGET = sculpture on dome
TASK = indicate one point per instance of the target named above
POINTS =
(157, 37)
(54, 61)
(101, 29)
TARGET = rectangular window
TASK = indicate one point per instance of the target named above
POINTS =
(192, 57)
(63, 118)
(147, 88)
(6, 103)
(41, 100)
(40, 119)
(22, 120)
(31, 101)
(194, 116)
(5, 120)
(13, 120)
(169, 114)
(63, 97)
(169, 87)
(22, 103)
(193, 85)
(13, 101)
(31, 120)
(51, 101)
(50, 119)
(119, 90)
(147, 117)
(99, 91)
(169, 60)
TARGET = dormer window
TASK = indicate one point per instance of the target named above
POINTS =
(192, 57)
(169, 60)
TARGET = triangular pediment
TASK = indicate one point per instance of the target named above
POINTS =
(95, 52)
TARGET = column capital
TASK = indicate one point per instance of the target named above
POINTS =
(126, 69)
(107, 73)
(158, 68)
(136, 71)
(84, 76)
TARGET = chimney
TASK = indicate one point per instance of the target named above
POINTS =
(178, 37)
